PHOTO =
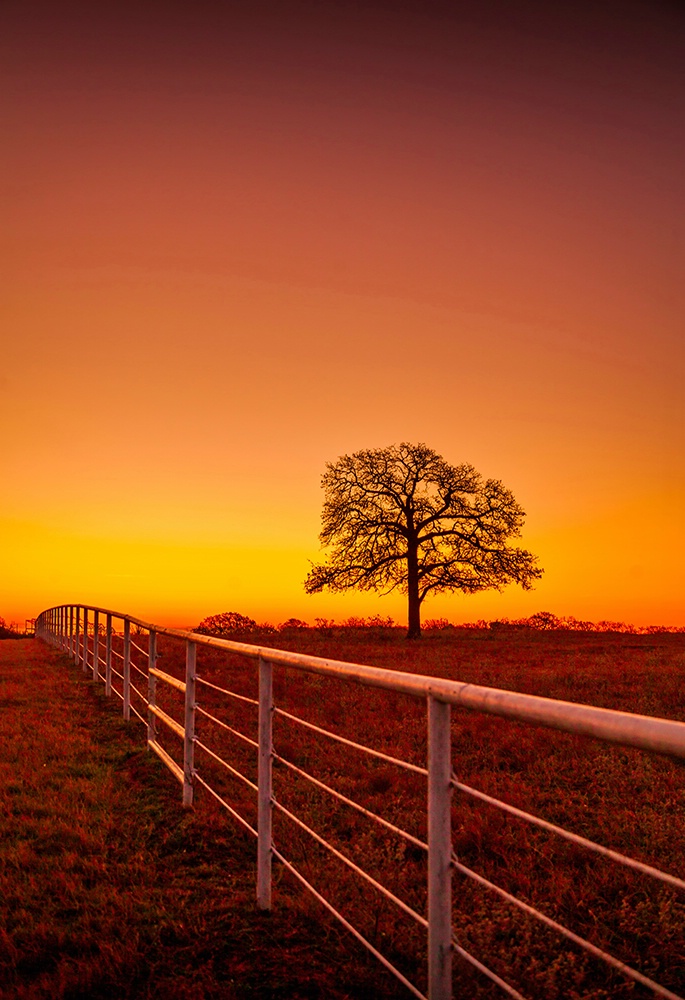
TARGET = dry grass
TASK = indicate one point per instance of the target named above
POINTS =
(109, 889)
(179, 915)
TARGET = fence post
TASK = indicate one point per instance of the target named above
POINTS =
(264, 785)
(77, 634)
(84, 653)
(71, 630)
(439, 851)
(127, 670)
(108, 658)
(96, 645)
(151, 686)
(189, 738)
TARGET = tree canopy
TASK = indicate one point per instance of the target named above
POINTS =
(403, 518)
(227, 624)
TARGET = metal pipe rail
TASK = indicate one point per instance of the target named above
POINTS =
(70, 626)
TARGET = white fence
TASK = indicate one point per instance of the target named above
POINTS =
(88, 636)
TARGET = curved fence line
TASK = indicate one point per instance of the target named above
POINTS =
(80, 631)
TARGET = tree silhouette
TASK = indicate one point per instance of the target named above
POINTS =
(402, 517)
(227, 624)
(10, 631)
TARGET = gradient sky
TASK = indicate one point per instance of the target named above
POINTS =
(241, 240)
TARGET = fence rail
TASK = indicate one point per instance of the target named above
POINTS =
(82, 631)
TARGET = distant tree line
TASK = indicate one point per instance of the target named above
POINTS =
(231, 624)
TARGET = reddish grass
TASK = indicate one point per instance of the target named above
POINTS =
(110, 889)
(629, 800)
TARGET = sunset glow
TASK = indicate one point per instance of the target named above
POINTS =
(241, 245)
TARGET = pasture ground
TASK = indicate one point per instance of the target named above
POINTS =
(109, 889)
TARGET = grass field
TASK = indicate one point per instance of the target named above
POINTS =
(109, 889)
(133, 897)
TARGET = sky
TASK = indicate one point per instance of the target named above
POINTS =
(242, 240)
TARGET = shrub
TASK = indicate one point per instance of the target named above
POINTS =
(293, 623)
(324, 625)
(353, 622)
(436, 624)
(378, 621)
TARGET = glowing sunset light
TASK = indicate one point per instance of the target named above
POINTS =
(241, 244)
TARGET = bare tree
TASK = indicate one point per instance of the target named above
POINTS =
(402, 517)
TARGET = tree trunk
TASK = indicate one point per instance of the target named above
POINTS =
(414, 609)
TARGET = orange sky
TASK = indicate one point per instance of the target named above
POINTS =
(241, 244)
